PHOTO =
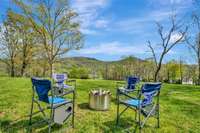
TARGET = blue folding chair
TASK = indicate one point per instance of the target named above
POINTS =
(62, 83)
(144, 104)
(131, 82)
(60, 108)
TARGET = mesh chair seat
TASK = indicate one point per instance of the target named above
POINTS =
(57, 100)
(132, 102)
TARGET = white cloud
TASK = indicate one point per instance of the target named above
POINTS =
(175, 37)
(171, 2)
(157, 15)
(88, 11)
(143, 22)
(102, 23)
(88, 31)
(113, 48)
(146, 21)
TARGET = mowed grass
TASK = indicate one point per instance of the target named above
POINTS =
(179, 111)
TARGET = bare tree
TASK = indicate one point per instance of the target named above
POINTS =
(55, 22)
(194, 43)
(168, 41)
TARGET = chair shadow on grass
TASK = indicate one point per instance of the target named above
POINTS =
(125, 125)
(22, 125)
(84, 106)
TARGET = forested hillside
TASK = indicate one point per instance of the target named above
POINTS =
(84, 67)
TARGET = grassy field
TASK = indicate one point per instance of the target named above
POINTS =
(180, 109)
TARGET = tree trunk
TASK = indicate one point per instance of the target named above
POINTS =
(44, 72)
(51, 68)
(25, 54)
(158, 67)
(23, 67)
(12, 70)
(156, 73)
(199, 72)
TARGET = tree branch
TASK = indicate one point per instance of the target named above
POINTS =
(153, 53)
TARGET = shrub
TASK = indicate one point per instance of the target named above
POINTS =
(79, 72)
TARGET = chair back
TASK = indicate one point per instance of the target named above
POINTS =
(150, 90)
(42, 87)
(131, 82)
(59, 79)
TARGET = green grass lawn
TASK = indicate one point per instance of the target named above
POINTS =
(179, 111)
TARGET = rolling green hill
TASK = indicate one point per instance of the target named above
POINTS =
(91, 66)
(82, 61)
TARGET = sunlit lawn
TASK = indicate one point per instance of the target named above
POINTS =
(180, 109)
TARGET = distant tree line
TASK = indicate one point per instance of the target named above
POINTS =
(174, 71)
(171, 72)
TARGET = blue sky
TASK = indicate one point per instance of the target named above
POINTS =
(116, 28)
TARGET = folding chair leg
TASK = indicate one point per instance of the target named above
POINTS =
(117, 122)
(30, 118)
(139, 118)
(135, 116)
(73, 110)
(49, 126)
(158, 117)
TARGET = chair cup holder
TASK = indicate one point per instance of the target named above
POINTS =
(69, 109)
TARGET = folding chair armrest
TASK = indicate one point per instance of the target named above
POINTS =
(66, 93)
(125, 94)
(138, 91)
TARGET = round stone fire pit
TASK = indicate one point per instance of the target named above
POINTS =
(99, 99)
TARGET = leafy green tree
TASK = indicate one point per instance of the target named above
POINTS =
(79, 72)
(27, 39)
(9, 46)
(173, 71)
(54, 21)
